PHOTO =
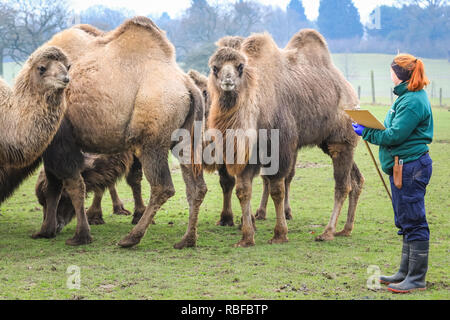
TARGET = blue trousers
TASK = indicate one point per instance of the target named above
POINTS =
(409, 201)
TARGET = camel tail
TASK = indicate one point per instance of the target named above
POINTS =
(12, 178)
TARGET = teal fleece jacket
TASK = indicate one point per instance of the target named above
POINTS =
(409, 128)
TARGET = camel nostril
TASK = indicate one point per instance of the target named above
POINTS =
(66, 79)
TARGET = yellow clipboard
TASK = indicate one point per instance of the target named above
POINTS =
(365, 118)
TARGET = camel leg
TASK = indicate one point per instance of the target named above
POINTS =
(244, 194)
(357, 180)
(342, 156)
(277, 192)
(195, 192)
(262, 210)
(156, 170)
(227, 183)
(287, 187)
(94, 213)
(134, 178)
(52, 197)
(118, 207)
(76, 190)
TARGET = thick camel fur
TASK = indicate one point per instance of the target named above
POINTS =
(104, 116)
(227, 182)
(298, 91)
(30, 115)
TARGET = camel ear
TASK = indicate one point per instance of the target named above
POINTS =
(199, 79)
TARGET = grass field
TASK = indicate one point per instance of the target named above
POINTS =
(300, 269)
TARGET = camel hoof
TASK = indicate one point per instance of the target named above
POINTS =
(185, 243)
(129, 241)
(245, 244)
(121, 211)
(279, 240)
(288, 214)
(325, 237)
(260, 214)
(96, 221)
(343, 233)
(79, 240)
(44, 235)
(225, 222)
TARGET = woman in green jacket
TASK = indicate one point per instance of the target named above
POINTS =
(409, 130)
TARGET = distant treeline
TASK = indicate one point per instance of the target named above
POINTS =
(421, 27)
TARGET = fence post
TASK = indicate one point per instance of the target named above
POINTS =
(359, 92)
(440, 97)
(372, 78)
(432, 89)
(392, 96)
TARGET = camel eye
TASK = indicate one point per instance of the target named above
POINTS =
(205, 94)
(68, 67)
(42, 70)
(216, 71)
(240, 69)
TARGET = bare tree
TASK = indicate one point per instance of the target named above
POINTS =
(35, 22)
(426, 3)
(7, 15)
(244, 17)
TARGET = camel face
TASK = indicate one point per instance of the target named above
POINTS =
(228, 68)
(53, 74)
(50, 69)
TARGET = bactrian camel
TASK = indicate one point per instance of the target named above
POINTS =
(298, 91)
(127, 93)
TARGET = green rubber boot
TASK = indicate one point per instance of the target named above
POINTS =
(417, 269)
(403, 271)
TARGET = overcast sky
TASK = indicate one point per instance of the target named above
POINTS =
(175, 7)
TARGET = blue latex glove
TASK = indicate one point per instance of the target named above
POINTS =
(358, 129)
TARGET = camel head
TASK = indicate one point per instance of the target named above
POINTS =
(229, 72)
(48, 69)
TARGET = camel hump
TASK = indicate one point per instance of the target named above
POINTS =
(199, 79)
(90, 30)
(143, 23)
(312, 44)
(234, 42)
(258, 45)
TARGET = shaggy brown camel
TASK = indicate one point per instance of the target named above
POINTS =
(128, 93)
(227, 182)
(76, 40)
(299, 92)
(32, 110)
(30, 115)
